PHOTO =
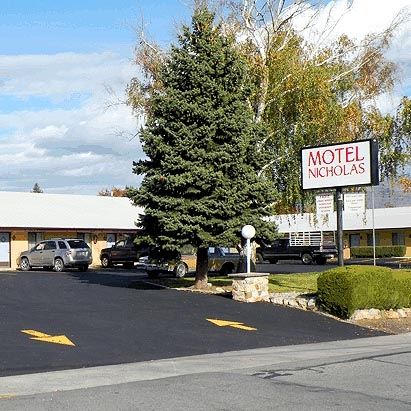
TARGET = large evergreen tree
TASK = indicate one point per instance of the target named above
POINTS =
(200, 181)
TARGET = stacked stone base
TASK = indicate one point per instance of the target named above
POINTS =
(375, 314)
(296, 300)
(250, 288)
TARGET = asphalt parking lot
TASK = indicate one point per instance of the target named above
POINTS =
(109, 323)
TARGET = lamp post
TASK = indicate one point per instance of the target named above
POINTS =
(248, 232)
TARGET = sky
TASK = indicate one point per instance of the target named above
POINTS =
(64, 66)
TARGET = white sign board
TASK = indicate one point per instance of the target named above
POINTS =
(339, 165)
(324, 204)
(354, 203)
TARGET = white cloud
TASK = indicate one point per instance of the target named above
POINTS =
(58, 131)
(86, 146)
(62, 74)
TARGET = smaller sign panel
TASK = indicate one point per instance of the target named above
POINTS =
(340, 165)
(324, 204)
(354, 203)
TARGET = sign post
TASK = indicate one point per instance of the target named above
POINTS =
(340, 240)
(337, 166)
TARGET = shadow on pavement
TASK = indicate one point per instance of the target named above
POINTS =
(122, 279)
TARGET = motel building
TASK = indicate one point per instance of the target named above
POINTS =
(27, 218)
(392, 226)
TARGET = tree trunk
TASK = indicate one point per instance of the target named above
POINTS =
(201, 268)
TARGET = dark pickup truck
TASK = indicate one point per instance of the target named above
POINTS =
(123, 252)
(282, 250)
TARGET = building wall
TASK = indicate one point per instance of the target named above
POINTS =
(384, 238)
(19, 242)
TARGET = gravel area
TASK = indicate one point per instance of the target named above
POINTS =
(399, 326)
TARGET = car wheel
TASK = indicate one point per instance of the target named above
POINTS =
(227, 269)
(83, 268)
(181, 270)
(105, 262)
(25, 264)
(321, 260)
(307, 258)
(58, 265)
(259, 258)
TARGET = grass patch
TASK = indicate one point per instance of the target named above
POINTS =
(282, 283)
(401, 274)
(277, 283)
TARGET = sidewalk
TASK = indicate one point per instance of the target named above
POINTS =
(247, 361)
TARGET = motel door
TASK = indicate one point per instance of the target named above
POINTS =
(4, 249)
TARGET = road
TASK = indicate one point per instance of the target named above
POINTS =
(361, 374)
(109, 323)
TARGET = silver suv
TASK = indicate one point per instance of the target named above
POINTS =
(57, 253)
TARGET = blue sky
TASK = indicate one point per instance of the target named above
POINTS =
(58, 59)
(44, 26)
(65, 64)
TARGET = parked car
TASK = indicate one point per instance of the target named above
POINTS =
(309, 249)
(124, 252)
(57, 253)
(223, 260)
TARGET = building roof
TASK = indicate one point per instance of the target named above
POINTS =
(66, 211)
(384, 218)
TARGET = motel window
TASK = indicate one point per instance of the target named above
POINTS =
(398, 239)
(369, 239)
(86, 237)
(354, 240)
(111, 239)
(35, 238)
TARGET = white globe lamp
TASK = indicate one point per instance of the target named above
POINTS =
(248, 232)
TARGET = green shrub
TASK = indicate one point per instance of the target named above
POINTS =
(381, 251)
(343, 290)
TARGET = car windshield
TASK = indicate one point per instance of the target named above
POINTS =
(77, 244)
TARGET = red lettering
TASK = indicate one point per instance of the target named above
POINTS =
(338, 150)
(349, 151)
(320, 172)
(338, 170)
(354, 169)
(361, 167)
(357, 155)
(330, 156)
(313, 160)
(312, 173)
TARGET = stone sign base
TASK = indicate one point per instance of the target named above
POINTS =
(250, 287)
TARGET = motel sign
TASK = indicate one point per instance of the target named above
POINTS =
(340, 165)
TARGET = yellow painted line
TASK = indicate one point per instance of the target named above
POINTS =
(54, 339)
(243, 327)
(233, 324)
(7, 396)
(35, 333)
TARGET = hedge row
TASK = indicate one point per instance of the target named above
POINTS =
(343, 290)
(381, 251)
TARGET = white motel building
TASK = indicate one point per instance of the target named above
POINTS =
(27, 218)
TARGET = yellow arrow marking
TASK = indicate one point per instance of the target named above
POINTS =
(234, 324)
(6, 396)
(55, 339)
